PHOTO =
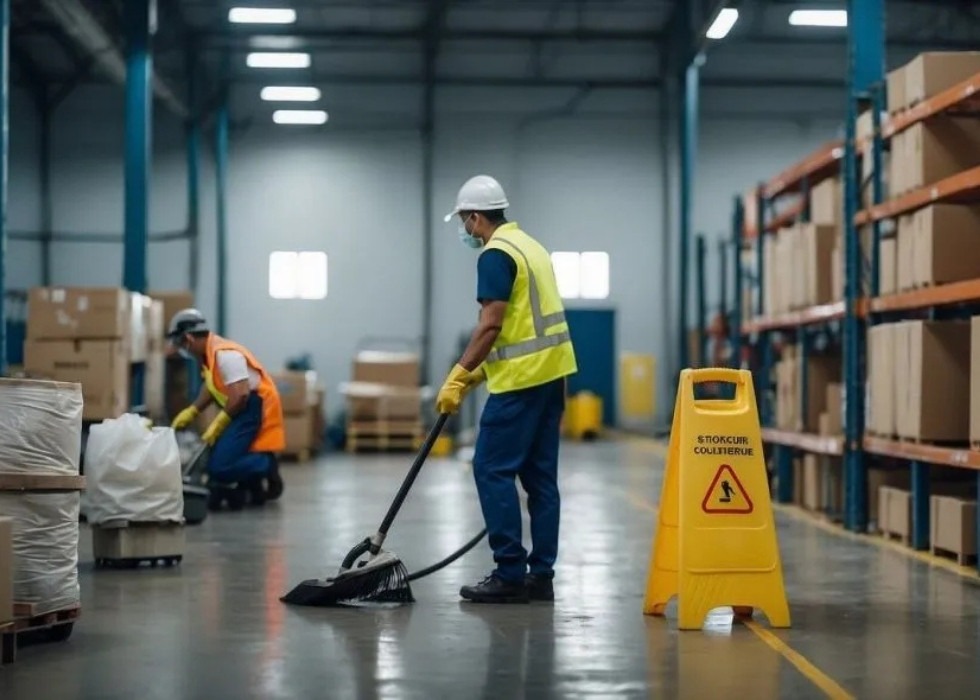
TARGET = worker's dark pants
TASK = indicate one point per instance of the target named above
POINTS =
(519, 436)
(231, 459)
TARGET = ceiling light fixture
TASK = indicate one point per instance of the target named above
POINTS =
(286, 93)
(723, 23)
(299, 116)
(278, 60)
(261, 15)
(818, 18)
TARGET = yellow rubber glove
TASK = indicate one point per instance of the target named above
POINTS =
(218, 425)
(459, 381)
(185, 418)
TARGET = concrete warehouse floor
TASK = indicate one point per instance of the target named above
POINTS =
(868, 621)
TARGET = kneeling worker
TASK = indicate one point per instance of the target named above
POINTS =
(248, 431)
(523, 350)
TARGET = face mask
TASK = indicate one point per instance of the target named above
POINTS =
(466, 239)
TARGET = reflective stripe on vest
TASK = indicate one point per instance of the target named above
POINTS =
(541, 321)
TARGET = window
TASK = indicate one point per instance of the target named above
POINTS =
(297, 275)
(582, 275)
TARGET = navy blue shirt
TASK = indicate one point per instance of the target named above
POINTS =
(495, 275)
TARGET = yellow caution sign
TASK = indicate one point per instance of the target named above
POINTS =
(715, 542)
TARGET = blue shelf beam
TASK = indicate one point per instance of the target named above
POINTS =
(738, 228)
(221, 177)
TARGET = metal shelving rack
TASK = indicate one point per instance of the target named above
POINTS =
(862, 305)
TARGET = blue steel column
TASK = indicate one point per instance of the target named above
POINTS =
(689, 146)
(220, 170)
(702, 302)
(193, 135)
(920, 505)
(877, 184)
(866, 49)
(4, 162)
(139, 16)
(738, 227)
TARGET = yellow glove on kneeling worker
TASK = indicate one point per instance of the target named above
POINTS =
(459, 381)
(218, 425)
(185, 418)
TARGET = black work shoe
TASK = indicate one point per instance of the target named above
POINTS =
(539, 588)
(495, 590)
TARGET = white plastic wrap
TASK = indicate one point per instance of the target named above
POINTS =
(132, 473)
(45, 548)
(40, 427)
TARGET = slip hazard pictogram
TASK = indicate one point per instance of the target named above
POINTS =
(726, 494)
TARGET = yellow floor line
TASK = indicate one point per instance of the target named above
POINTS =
(830, 687)
(797, 513)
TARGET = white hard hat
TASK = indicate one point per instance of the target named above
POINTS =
(187, 321)
(480, 193)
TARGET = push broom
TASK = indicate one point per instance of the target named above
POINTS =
(370, 573)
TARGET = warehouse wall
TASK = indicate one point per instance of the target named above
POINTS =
(585, 181)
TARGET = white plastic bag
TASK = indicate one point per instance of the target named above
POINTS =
(132, 473)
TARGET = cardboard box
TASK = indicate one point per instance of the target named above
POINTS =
(826, 205)
(787, 403)
(811, 482)
(881, 380)
(953, 525)
(156, 327)
(6, 569)
(815, 252)
(388, 403)
(391, 368)
(146, 540)
(901, 393)
(905, 241)
(821, 371)
(141, 310)
(975, 380)
(173, 301)
(797, 481)
(834, 413)
(837, 272)
(939, 148)
(70, 313)
(895, 511)
(297, 390)
(300, 431)
(897, 94)
(897, 478)
(928, 74)
(938, 379)
(944, 247)
(887, 266)
(824, 424)
(896, 166)
(154, 379)
(832, 484)
(864, 126)
(100, 366)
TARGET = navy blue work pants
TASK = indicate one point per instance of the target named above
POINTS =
(519, 437)
(231, 459)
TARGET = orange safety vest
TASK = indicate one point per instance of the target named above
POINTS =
(272, 435)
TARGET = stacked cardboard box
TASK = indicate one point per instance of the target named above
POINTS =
(930, 73)
(88, 335)
(953, 526)
(173, 301)
(798, 267)
(918, 380)
(301, 400)
(389, 387)
(936, 245)
(888, 266)
(6, 569)
(975, 381)
(154, 378)
(822, 372)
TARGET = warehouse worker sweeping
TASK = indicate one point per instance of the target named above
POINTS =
(248, 432)
(522, 349)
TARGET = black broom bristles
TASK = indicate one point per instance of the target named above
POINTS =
(382, 583)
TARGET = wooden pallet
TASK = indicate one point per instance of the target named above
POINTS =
(382, 443)
(361, 428)
(28, 626)
(897, 537)
(961, 559)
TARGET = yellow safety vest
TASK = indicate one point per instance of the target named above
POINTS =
(534, 346)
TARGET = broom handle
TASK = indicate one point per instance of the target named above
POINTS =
(410, 478)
